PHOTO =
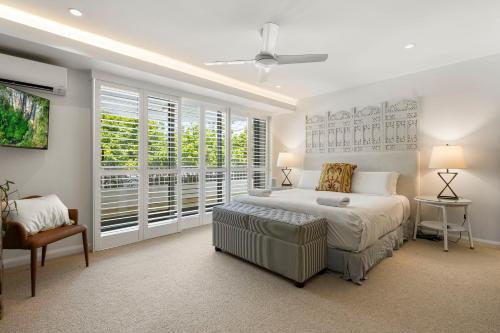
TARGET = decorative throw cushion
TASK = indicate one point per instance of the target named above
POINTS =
(336, 177)
(40, 214)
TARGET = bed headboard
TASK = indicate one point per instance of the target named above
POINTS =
(404, 162)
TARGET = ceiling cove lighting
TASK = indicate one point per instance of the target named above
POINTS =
(111, 45)
(410, 46)
(75, 12)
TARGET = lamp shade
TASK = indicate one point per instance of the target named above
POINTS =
(447, 157)
(284, 159)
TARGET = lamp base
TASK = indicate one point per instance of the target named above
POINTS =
(448, 197)
(286, 181)
(454, 196)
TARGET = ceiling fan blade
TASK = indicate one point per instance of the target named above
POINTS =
(230, 62)
(300, 58)
(263, 74)
(269, 33)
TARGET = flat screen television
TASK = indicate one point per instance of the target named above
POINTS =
(24, 119)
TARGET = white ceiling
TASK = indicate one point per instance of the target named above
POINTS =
(365, 39)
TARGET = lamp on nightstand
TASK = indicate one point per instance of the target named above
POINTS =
(284, 161)
(447, 157)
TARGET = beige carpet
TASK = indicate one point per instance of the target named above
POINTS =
(179, 284)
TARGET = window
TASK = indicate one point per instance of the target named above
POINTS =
(119, 159)
(239, 155)
(190, 147)
(215, 158)
(259, 153)
(162, 163)
(162, 159)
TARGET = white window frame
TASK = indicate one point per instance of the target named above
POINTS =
(143, 231)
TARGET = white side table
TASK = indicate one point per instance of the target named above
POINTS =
(443, 225)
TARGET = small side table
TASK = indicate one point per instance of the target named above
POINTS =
(443, 225)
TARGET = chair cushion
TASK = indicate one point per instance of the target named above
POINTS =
(50, 236)
(293, 227)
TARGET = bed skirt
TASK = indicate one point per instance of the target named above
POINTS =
(354, 266)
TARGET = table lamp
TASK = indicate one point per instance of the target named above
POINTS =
(284, 160)
(447, 157)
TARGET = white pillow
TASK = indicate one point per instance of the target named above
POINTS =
(40, 214)
(383, 183)
(309, 179)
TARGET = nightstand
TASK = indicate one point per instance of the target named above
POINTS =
(443, 225)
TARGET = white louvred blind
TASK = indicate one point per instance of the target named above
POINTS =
(259, 153)
(239, 155)
(162, 133)
(119, 206)
(119, 128)
(239, 182)
(215, 139)
(162, 197)
(215, 189)
(190, 193)
(161, 162)
(190, 127)
(239, 141)
(119, 158)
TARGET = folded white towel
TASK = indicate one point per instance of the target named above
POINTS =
(257, 192)
(334, 202)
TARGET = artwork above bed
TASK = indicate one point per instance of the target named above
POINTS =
(390, 126)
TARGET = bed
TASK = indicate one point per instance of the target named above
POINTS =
(372, 226)
(353, 228)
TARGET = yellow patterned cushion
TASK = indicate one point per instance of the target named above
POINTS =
(336, 177)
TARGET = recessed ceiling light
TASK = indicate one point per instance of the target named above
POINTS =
(278, 86)
(75, 12)
(410, 46)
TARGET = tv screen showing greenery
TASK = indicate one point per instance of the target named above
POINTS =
(24, 119)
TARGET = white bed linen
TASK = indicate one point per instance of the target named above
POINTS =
(351, 228)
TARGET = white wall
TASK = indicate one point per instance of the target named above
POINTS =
(460, 104)
(65, 168)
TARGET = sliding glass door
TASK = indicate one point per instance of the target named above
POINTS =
(191, 171)
(162, 163)
(117, 175)
(160, 191)
(239, 155)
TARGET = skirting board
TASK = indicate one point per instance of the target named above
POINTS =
(24, 259)
(69, 250)
(482, 241)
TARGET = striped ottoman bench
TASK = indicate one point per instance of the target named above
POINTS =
(289, 243)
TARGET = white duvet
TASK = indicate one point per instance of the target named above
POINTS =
(351, 228)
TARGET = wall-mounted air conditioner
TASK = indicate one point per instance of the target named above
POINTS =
(32, 74)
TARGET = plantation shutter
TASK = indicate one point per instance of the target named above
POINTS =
(160, 165)
(215, 158)
(119, 158)
(259, 153)
(239, 155)
(190, 127)
(162, 159)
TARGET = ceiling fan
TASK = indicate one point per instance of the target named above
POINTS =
(266, 59)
